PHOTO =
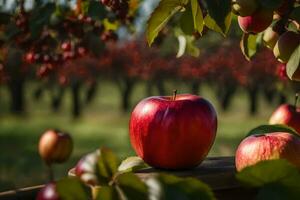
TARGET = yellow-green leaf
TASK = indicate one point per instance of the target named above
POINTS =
(161, 15)
(197, 16)
(293, 65)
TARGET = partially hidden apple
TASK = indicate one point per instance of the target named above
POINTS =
(288, 115)
(55, 146)
(257, 22)
(286, 45)
(269, 146)
(48, 192)
(173, 132)
(86, 168)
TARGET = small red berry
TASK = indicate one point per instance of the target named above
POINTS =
(66, 46)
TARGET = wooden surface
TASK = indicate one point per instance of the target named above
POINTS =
(217, 172)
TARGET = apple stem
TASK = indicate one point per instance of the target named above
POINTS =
(174, 94)
(296, 100)
(50, 172)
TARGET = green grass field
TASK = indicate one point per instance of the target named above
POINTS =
(102, 124)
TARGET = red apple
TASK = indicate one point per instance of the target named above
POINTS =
(286, 45)
(270, 146)
(48, 192)
(257, 22)
(288, 115)
(66, 46)
(55, 146)
(86, 168)
(173, 133)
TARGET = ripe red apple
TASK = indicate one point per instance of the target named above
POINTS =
(66, 46)
(48, 192)
(173, 132)
(29, 58)
(257, 22)
(55, 146)
(270, 146)
(244, 7)
(86, 168)
(286, 45)
(288, 115)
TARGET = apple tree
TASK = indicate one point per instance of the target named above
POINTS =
(42, 37)
(274, 24)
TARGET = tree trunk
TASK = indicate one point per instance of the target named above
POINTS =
(160, 87)
(13, 66)
(126, 94)
(225, 95)
(76, 106)
(227, 98)
(253, 103)
(195, 87)
(16, 90)
(57, 99)
(149, 86)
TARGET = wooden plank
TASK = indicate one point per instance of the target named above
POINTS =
(217, 172)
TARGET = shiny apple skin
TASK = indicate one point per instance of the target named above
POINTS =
(55, 146)
(256, 148)
(48, 192)
(86, 168)
(288, 115)
(173, 134)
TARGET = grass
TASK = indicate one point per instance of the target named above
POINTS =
(101, 125)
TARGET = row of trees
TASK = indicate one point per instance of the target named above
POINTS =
(224, 68)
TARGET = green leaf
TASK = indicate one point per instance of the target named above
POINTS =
(269, 171)
(175, 188)
(107, 193)
(71, 188)
(219, 12)
(191, 47)
(249, 45)
(293, 65)
(186, 21)
(270, 4)
(161, 15)
(96, 10)
(278, 191)
(295, 14)
(263, 129)
(132, 187)
(211, 24)
(132, 164)
(107, 165)
(197, 16)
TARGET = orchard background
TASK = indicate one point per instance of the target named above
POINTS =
(82, 65)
